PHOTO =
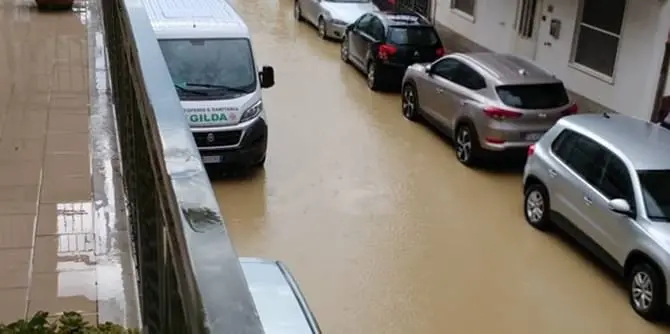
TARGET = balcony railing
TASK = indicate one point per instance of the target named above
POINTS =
(190, 279)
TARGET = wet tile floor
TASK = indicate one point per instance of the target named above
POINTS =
(47, 239)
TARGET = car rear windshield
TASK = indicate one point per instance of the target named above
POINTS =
(655, 185)
(421, 36)
(537, 96)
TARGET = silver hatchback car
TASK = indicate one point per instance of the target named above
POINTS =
(605, 180)
(331, 17)
(487, 102)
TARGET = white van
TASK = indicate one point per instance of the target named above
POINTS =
(207, 48)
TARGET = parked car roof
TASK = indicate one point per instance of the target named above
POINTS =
(509, 69)
(403, 18)
(644, 144)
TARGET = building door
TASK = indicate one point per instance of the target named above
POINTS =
(526, 28)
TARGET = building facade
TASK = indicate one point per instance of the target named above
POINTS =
(609, 53)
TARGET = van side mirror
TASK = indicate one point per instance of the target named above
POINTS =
(620, 206)
(267, 76)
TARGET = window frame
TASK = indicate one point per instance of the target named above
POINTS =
(463, 14)
(608, 78)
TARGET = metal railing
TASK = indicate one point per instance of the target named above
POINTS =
(190, 279)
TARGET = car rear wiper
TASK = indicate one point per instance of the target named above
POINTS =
(181, 88)
(232, 89)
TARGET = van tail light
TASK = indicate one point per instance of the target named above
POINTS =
(501, 114)
(531, 150)
(573, 109)
(440, 52)
(386, 50)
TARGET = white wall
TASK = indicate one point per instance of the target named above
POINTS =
(640, 50)
(491, 28)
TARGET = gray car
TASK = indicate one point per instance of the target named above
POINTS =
(486, 102)
(605, 180)
(331, 17)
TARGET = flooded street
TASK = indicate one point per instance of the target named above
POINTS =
(385, 231)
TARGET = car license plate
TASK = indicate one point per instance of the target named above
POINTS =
(211, 159)
(535, 136)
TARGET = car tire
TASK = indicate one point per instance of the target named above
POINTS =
(410, 102)
(372, 76)
(322, 28)
(646, 292)
(536, 206)
(344, 49)
(466, 145)
(297, 11)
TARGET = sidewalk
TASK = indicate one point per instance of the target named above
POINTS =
(47, 244)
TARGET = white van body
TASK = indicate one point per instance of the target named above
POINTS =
(207, 47)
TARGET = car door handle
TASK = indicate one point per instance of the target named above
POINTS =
(439, 90)
(587, 200)
(552, 173)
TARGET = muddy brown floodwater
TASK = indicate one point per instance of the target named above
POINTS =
(384, 230)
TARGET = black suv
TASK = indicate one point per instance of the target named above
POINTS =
(384, 44)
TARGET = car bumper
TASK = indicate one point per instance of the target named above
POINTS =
(249, 150)
(336, 31)
(499, 136)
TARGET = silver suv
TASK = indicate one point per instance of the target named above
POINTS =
(605, 180)
(487, 102)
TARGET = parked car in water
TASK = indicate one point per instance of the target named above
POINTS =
(604, 179)
(331, 17)
(384, 44)
(487, 102)
(280, 304)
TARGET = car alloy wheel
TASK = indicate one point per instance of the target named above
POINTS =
(409, 102)
(344, 49)
(647, 291)
(463, 145)
(642, 291)
(535, 208)
(322, 29)
(372, 76)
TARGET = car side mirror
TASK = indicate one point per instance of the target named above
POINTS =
(429, 69)
(620, 206)
(267, 76)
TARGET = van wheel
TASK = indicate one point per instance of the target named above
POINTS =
(646, 291)
(297, 11)
(372, 76)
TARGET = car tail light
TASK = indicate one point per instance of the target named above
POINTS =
(440, 52)
(386, 50)
(501, 114)
(494, 140)
(573, 109)
(531, 150)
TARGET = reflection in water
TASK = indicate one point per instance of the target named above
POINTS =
(384, 230)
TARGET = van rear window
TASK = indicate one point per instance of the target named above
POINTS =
(534, 96)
